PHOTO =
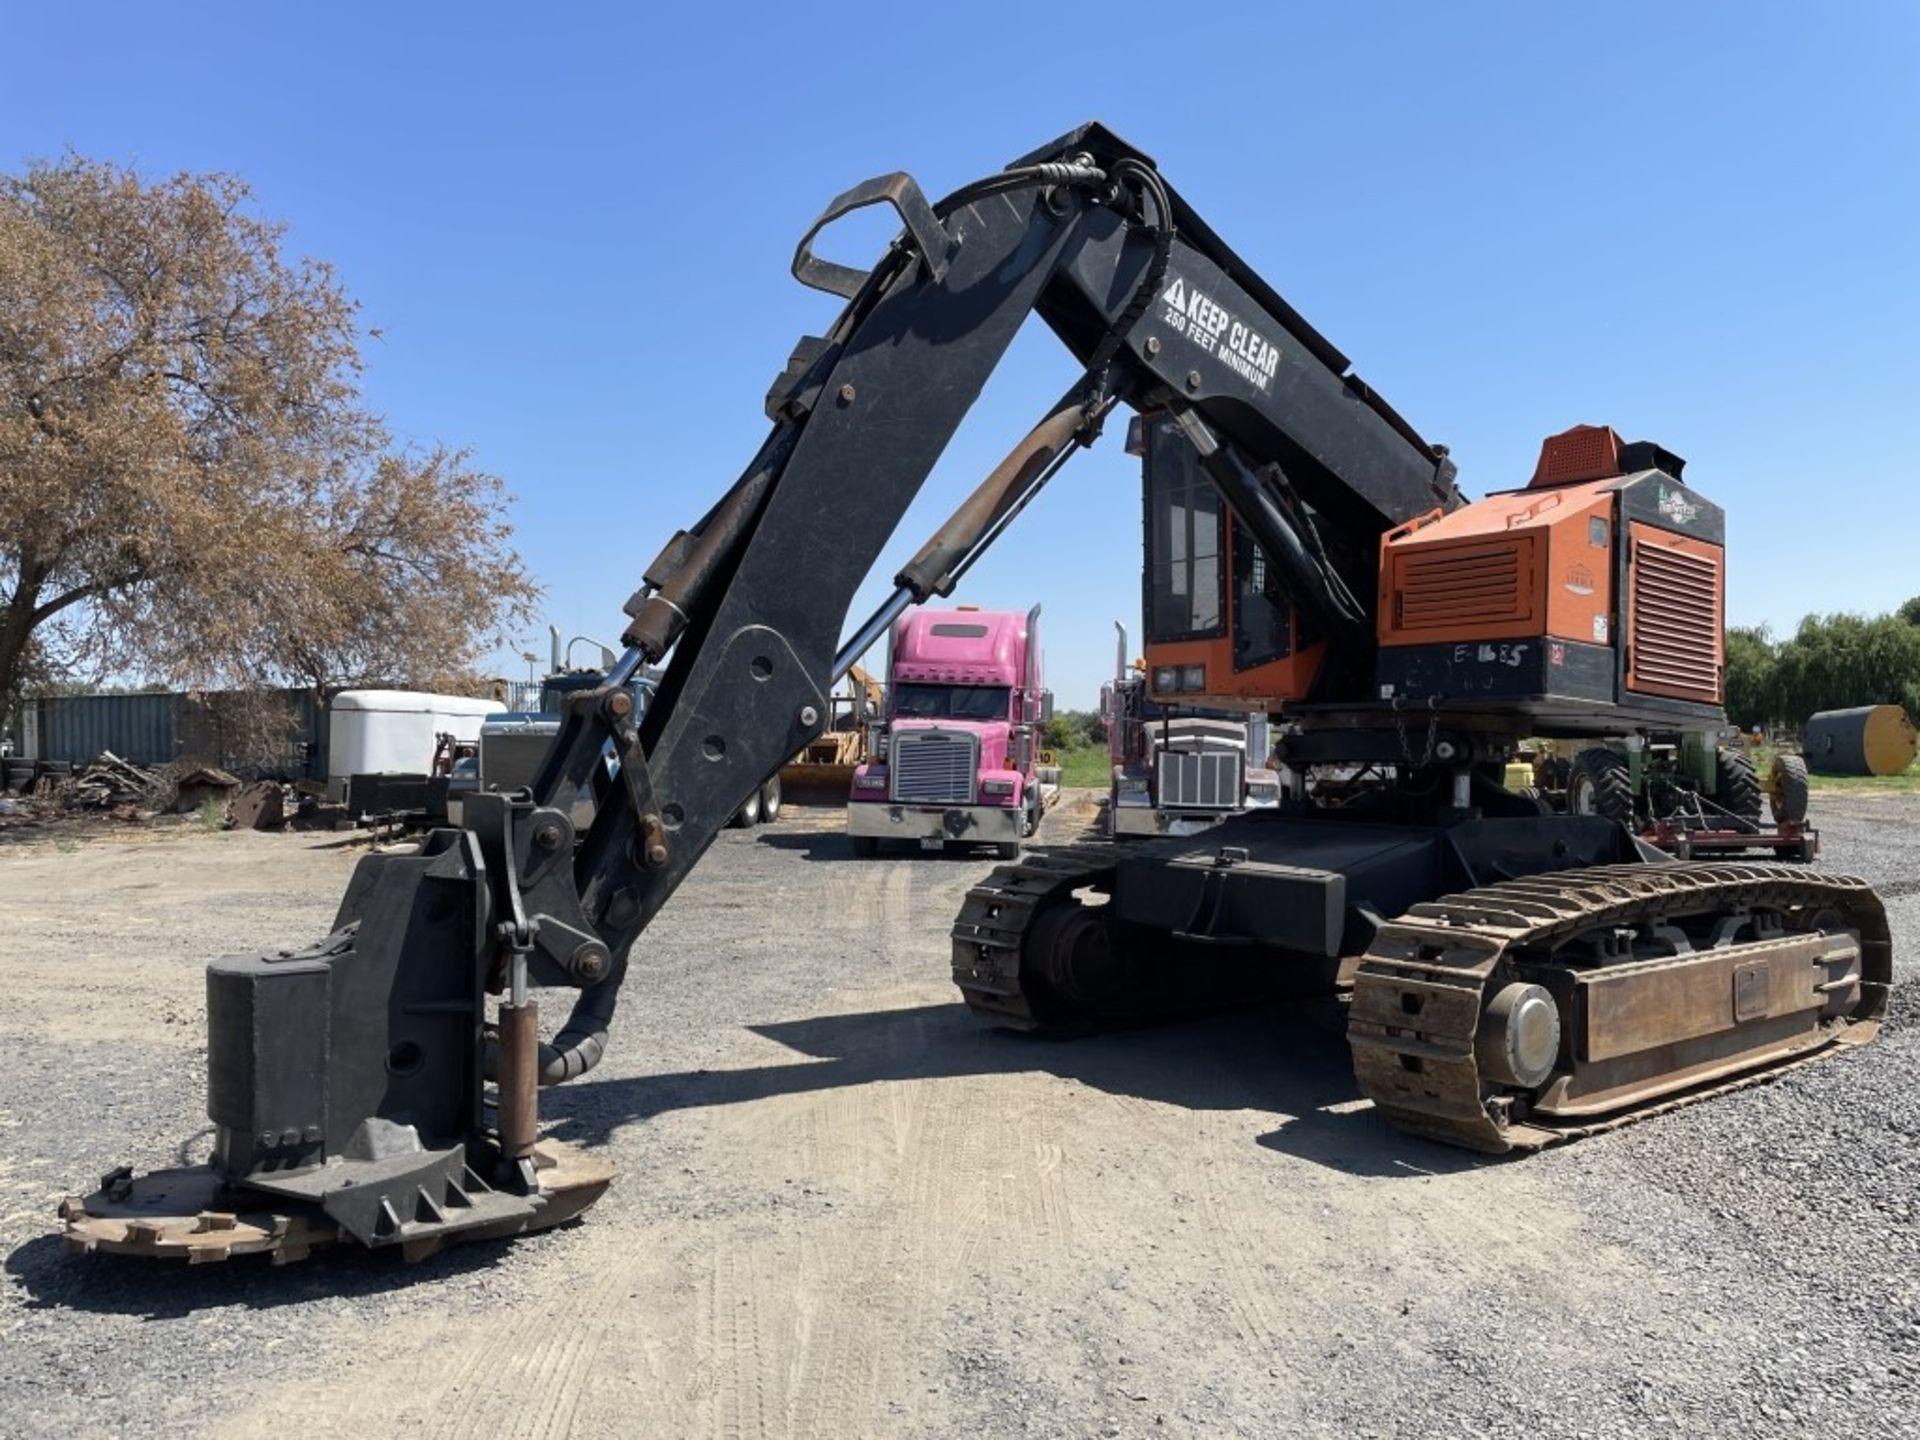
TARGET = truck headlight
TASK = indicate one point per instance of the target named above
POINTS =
(1263, 788)
(1166, 679)
(869, 782)
(996, 787)
(1193, 678)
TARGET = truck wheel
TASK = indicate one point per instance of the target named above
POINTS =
(1601, 783)
(1787, 789)
(1007, 850)
(1736, 785)
(748, 814)
(770, 801)
(866, 846)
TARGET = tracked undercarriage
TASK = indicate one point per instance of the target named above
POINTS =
(1538, 1010)
(1507, 1016)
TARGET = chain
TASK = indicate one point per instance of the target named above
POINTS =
(1433, 727)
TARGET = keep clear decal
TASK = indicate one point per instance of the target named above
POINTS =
(1189, 311)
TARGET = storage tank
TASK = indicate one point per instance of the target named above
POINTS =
(391, 732)
(1866, 740)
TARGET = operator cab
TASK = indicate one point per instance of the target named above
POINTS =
(1221, 632)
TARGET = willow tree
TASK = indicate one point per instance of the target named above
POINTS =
(191, 486)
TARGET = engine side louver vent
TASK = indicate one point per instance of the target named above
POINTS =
(1447, 587)
(1675, 623)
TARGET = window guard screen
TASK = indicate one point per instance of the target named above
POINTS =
(1186, 533)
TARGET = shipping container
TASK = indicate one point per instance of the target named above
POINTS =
(275, 732)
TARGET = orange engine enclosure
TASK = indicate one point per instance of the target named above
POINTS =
(1528, 562)
(1543, 562)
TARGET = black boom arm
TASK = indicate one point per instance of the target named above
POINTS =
(748, 607)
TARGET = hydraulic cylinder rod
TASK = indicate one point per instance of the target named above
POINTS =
(982, 518)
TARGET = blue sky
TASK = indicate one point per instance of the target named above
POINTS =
(1697, 223)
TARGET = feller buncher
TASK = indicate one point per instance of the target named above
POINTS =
(1518, 977)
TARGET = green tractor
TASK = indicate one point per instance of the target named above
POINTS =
(1690, 794)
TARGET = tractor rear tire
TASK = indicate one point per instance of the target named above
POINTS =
(1601, 783)
(1536, 797)
(1787, 789)
(1736, 785)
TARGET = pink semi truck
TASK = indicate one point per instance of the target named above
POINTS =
(957, 760)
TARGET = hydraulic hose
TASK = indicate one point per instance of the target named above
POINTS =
(582, 1041)
(1051, 172)
(1305, 566)
(1153, 189)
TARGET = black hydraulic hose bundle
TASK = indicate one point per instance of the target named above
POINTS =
(1153, 189)
(1050, 172)
(583, 1039)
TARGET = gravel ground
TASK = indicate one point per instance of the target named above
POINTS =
(848, 1210)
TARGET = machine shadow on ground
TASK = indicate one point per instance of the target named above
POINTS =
(837, 846)
(1288, 1059)
(56, 1279)
(817, 832)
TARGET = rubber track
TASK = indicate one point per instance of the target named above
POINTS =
(1449, 950)
(993, 923)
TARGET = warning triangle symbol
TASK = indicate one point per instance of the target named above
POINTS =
(1176, 295)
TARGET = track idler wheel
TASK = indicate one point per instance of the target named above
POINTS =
(1519, 1037)
(1070, 956)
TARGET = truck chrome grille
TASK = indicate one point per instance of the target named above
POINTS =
(1200, 780)
(933, 767)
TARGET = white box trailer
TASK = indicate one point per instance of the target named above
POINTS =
(392, 732)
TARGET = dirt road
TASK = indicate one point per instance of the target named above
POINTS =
(848, 1210)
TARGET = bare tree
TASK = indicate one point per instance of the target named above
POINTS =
(190, 484)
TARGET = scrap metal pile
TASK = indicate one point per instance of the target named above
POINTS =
(126, 790)
(108, 782)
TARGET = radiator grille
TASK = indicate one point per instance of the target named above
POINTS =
(933, 767)
(1443, 588)
(1675, 623)
(1200, 780)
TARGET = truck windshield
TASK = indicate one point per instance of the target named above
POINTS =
(951, 702)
